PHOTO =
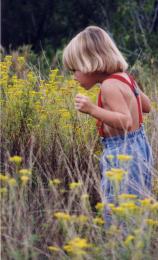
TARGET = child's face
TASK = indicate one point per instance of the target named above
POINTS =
(87, 80)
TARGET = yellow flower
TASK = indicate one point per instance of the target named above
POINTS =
(62, 190)
(85, 196)
(62, 216)
(154, 105)
(98, 153)
(118, 210)
(146, 202)
(77, 246)
(82, 218)
(25, 171)
(124, 157)
(98, 221)
(110, 156)
(127, 196)
(16, 159)
(115, 174)
(100, 206)
(137, 231)
(21, 60)
(54, 248)
(152, 222)
(74, 185)
(66, 115)
(154, 206)
(4, 177)
(111, 205)
(24, 179)
(54, 182)
(118, 170)
(3, 190)
(129, 205)
(12, 182)
(128, 240)
(109, 173)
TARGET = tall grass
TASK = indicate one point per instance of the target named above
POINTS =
(51, 199)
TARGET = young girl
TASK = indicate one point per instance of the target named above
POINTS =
(94, 58)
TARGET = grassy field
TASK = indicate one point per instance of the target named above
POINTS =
(51, 201)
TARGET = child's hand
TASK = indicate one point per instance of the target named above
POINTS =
(83, 104)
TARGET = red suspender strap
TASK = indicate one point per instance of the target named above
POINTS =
(137, 97)
(99, 100)
(100, 123)
(133, 88)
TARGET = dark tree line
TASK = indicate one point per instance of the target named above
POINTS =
(51, 23)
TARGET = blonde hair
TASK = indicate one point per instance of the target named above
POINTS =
(93, 50)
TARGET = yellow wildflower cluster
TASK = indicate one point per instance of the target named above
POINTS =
(85, 196)
(127, 196)
(129, 239)
(115, 174)
(124, 157)
(25, 171)
(46, 100)
(54, 248)
(62, 216)
(16, 159)
(81, 219)
(5, 179)
(55, 182)
(3, 190)
(25, 175)
(74, 185)
(77, 246)
(100, 206)
(98, 221)
(152, 222)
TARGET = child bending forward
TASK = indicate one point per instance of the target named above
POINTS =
(94, 58)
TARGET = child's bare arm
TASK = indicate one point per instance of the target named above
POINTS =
(146, 104)
(119, 117)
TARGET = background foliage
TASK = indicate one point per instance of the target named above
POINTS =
(50, 24)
